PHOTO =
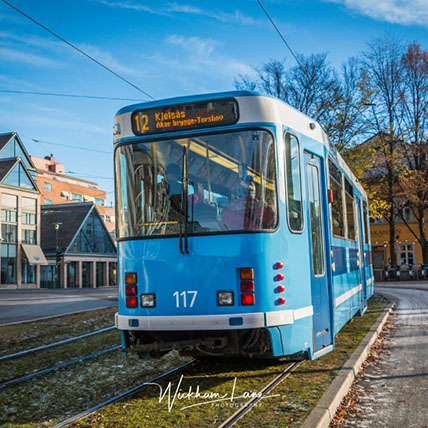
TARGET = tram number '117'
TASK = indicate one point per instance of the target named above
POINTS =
(184, 299)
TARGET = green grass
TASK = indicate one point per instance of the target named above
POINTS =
(50, 357)
(298, 394)
(19, 337)
(47, 400)
(56, 397)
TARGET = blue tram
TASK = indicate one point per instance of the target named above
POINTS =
(241, 230)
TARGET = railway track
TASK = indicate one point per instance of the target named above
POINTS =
(52, 345)
(123, 395)
(57, 367)
(232, 420)
(263, 393)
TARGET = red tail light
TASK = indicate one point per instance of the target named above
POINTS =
(247, 286)
(281, 301)
(131, 302)
(280, 277)
(247, 299)
(131, 290)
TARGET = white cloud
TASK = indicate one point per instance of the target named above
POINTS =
(174, 7)
(201, 47)
(393, 11)
(11, 55)
(9, 38)
(107, 59)
(131, 5)
(202, 56)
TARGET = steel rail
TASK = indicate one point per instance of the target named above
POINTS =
(240, 413)
(58, 367)
(123, 395)
(51, 345)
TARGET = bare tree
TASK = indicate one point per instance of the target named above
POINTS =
(382, 67)
(414, 113)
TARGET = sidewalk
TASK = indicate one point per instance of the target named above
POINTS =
(31, 304)
(391, 393)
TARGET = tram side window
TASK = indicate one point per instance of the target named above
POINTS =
(350, 217)
(336, 186)
(293, 183)
(365, 221)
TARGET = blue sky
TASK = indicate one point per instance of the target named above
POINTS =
(167, 48)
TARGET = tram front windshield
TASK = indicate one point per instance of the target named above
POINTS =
(214, 183)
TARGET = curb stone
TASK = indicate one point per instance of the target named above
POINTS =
(325, 410)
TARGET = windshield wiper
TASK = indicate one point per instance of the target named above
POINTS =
(184, 206)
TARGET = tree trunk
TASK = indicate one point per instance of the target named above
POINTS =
(392, 248)
(422, 234)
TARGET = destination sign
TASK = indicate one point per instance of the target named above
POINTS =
(205, 114)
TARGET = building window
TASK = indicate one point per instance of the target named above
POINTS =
(71, 274)
(47, 187)
(29, 218)
(29, 236)
(28, 272)
(48, 201)
(76, 197)
(8, 233)
(9, 218)
(86, 274)
(93, 238)
(406, 253)
(407, 214)
(99, 273)
(29, 221)
(99, 201)
(8, 264)
(112, 277)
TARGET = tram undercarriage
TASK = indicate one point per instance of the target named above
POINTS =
(248, 342)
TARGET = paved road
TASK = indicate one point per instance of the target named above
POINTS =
(26, 305)
(394, 392)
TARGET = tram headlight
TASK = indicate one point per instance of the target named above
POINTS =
(225, 298)
(148, 300)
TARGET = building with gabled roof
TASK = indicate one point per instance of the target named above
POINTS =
(79, 249)
(21, 255)
(57, 187)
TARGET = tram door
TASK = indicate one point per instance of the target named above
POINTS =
(361, 252)
(317, 233)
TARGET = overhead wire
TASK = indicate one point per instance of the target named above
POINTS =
(70, 146)
(77, 49)
(280, 34)
(51, 94)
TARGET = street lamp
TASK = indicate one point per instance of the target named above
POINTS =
(56, 227)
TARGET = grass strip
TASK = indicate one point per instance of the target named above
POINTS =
(70, 392)
(51, 357)
(288, 405)
(48, 400)
(19, 337)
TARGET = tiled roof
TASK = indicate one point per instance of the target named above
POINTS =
(70, 215)
(5, 166)
(5, 138)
